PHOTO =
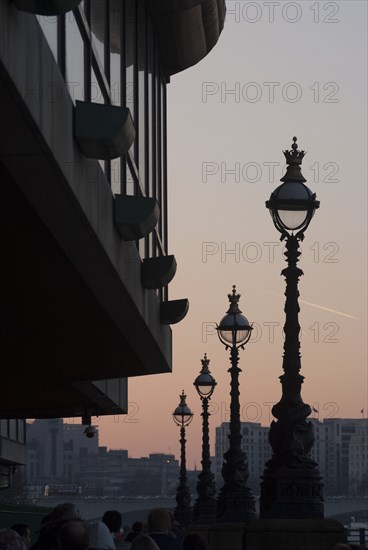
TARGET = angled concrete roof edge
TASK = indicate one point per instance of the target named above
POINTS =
(187, 30)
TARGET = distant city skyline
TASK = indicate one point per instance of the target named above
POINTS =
(60, 457)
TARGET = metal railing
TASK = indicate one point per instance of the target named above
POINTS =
(358, 535)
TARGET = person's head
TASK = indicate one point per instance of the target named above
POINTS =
(113, 520)
(73, 535)
(100, 538)
(193, 541)
(24, 531)
(11, 540)
(64, 512)
(137, 527)
(46, 519)
(159, 520)
(144, 542)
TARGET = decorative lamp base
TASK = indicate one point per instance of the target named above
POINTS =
(292, 493)
(183, 516)
(235, 505)
(205, 513)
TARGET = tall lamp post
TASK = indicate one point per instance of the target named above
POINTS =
(204, 510)
(235, 501)
(182, 417)
(292, 484)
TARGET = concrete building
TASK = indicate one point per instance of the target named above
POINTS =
(340, 449)
(53, 453)
(254, 443)
(12, 449)
(84, 186)
(114, 473)
(60, 459)
(358, 461)
(333, 448)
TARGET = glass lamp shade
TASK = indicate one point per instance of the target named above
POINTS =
(292, 206)
(205, 385)
(291, 219)
(182, 415)
(183, 419)
(234, 329)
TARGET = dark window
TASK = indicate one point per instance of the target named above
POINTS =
(4, 428)
(13, 429)
(4, 477)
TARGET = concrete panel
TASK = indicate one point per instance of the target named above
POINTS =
(12, 451)
(69, 192)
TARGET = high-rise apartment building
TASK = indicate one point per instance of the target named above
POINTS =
(340, 449)
(358, 461)
(342, 443)
(86, 261)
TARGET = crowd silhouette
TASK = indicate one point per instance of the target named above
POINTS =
(65, 529)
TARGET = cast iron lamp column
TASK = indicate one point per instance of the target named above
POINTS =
(292, 484)
(235, 501)
(182, 417)
(204, 510)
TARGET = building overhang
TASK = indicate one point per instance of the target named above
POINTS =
(73, 307)
(60, 397)
(187, 30)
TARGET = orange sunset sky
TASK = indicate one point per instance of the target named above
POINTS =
(289, 75)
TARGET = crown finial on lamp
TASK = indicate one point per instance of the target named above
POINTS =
(294, 156)
(234, 301)
(205, 362)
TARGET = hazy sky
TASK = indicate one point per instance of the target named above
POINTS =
(280, 69)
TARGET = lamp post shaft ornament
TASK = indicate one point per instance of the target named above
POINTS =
(204, 510)
(236, 502)
(183, 512)
(292, 484)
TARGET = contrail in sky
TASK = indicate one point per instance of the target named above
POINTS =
(328, 309)
(321, 307)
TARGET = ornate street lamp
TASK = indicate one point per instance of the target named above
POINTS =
(204, 510)
(235, 501)
(182, 417)
(291, 486)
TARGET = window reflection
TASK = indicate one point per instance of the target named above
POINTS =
(143, 127)
(115, 85)
(130, 48)
(117, 36)
(74, 59)
(98, 14)
(21, 431)
(4, 428)
(130, 187)
(13, 429)
(123, 67)
(115, 175)
(49, 27)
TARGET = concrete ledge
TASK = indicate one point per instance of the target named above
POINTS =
(13, 451)
(275, 534)
(285, 534)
